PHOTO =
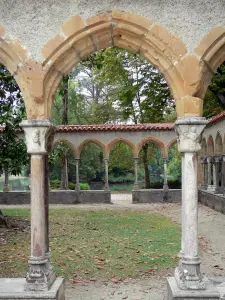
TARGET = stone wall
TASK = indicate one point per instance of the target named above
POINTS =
(156, 196)
(216, 202)
(58, 197)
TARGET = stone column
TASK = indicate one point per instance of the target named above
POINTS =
(77, 185)
(204, 173)
(209, 163)
(106, 186)
(136, 187)
(6, 183)
(223, 176)
(214, 174)
(217, 174)
(165, 184)
(189, 130)
(40, 275)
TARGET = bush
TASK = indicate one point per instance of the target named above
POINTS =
(84, 186)
(71, 186)
(55, 184)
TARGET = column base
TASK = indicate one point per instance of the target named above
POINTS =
(77, 187)
(106, 187)
(13, 289)
(6, 188)
(175, 293)
(40, 276)
(135, 187)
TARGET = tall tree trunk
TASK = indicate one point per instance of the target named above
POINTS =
(65, 100)
(64, 173)
(145, 163)
(6, 183)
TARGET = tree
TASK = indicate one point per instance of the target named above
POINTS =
(13, 154)
(214, 101)
(138, 90)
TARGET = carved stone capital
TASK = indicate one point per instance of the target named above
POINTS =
(189, 131)
(39, 135)
(217, 159)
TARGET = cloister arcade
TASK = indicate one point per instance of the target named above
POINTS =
(185, 41)
(212, 156)
(106, 136)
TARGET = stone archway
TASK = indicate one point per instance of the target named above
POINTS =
(156, 141)
(79, 38)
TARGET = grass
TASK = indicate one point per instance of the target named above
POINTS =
(96, 244)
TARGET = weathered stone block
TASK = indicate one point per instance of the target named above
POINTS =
(156, 196)
(13, 289)
(175, 293)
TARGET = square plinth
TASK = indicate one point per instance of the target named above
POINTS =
(175, 293)
(13, 289)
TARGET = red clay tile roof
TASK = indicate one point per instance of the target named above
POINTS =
(113, 127)
(217, 118)
(126, 127)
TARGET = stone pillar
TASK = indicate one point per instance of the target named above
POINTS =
(217, 174)
(223, 176)
(77, 185)
(204, 173)
(209, 163)
(188, 275)
(6, 183)
(136, 187)
(165, 184)
(40, 275)
(214, 173)
(106, 186)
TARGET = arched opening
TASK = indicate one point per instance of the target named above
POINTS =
(204, 148)
(121, 166)
(14, 161)
(91, 170)
(124, 30)
(174, 171)
(150, 156)
(62, 173)
(210, 146)
(218, 144)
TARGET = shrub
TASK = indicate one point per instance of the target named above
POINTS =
(55, 184)
(71, 185)
(84, 186)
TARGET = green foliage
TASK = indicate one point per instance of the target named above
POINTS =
(174, 162)
(13, 155)
(214, 101)
(84, 186)
(55, 184)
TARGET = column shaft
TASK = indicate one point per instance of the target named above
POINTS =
(136, 187)
(77, 185)
(106, 186)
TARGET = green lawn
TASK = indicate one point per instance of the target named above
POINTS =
(96, 244)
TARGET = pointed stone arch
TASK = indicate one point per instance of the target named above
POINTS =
(156, 141)
(204, 147)
(210, 146)
(91, 141)
(79, 38)
(211, 52)
(218, 144)
(122, 140)
(69, 144)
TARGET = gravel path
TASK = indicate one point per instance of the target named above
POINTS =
(211, 240)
